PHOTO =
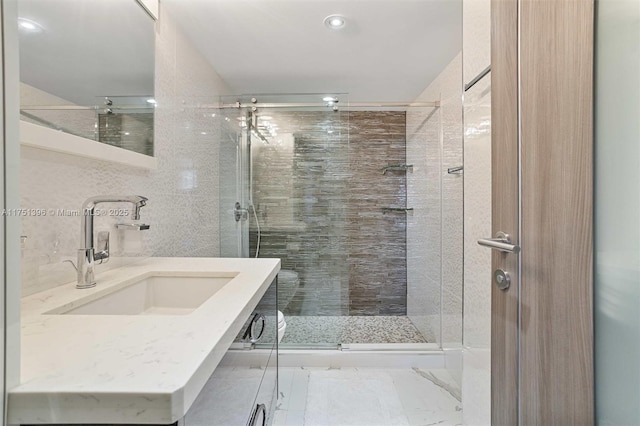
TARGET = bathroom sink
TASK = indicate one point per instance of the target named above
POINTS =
(154, 295)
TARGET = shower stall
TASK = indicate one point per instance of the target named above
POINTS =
(350, 198)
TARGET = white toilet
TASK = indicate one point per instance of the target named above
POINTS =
(282, 326)
(288, 283)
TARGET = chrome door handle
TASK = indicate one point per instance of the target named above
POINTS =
(501, 242)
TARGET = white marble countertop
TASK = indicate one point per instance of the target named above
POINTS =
(129, 369)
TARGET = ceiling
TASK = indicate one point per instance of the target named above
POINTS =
(389, 50)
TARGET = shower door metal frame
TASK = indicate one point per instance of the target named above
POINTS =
(243, 188)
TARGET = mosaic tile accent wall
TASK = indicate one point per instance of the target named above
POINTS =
(320, 197)
(377, 240)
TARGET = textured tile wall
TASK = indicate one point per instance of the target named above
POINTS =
(319, 196)
(476, 364)
(476, 37)
(476, 16)
(476, 378)
(477, 221)
(377, 240)
(183, 206)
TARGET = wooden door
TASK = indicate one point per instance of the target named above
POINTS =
(542, 326)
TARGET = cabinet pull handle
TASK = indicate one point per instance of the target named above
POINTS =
(252, 333)
(260, 409)
(258, 318)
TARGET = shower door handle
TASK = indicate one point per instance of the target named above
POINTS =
(501, 242)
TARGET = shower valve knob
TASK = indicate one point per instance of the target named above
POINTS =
(239, 213)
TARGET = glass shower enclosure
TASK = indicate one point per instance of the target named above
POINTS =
(326, 187)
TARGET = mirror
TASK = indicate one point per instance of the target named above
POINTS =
(87, 68)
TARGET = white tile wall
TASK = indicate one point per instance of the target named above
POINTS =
(476, 37)
(477, 221)
(183, 192)
(476, 359)
(476, 371)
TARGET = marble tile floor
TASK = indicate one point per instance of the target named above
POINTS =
(366, 397)
(350, 329)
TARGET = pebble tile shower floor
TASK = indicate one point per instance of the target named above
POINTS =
(350, 329)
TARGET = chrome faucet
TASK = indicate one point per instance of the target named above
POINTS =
(87, 255)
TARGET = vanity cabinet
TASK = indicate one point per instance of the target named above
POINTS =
(155, 369)
(242, 391)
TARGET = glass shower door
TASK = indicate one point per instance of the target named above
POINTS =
(286, 158)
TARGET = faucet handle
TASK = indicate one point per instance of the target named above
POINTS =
(102, 252)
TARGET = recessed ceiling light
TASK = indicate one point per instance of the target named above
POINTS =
(330, 99)
(29, 26)
(151, 101)
(335, 22)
